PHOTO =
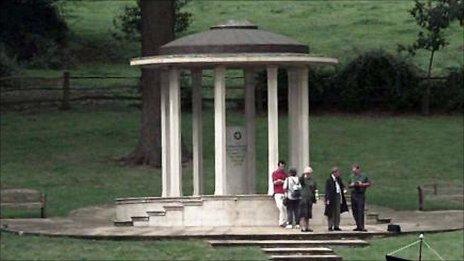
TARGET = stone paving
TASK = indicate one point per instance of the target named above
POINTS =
(97, 222)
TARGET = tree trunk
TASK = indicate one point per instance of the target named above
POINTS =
(426, 96)
(158, 19)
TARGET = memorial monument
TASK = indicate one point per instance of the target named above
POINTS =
(233, 45)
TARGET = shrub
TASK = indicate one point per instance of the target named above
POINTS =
(377, 80)
(8, 65)
(27, 25)
(448, 95)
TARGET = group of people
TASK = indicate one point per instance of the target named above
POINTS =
(295, 195)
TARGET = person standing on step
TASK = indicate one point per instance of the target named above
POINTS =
(335, 202)
(292, 188)
(358, 184)
(278, 178)
(308, 198)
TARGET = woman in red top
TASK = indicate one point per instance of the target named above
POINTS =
(278, 178)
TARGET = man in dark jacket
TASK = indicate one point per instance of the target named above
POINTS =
(335, 202)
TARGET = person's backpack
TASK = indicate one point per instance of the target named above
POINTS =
(295, 188)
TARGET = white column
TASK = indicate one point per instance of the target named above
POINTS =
(220, 131)
(165, 177)
(293, 120)
(175, 156)
(250, 118)
(304, 116)
(272, 125)
(197, 132)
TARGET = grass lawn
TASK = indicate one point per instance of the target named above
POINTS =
(71, 156)
(448, 245)
(339, 28)
(45, 248)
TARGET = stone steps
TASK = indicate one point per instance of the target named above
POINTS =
(300, 250)
(374, 218)
(332, 257)
(289, 243)
(294, 249)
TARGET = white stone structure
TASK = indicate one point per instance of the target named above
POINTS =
(229, 46)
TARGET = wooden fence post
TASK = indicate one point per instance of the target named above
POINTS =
(435, 189)
(65, 98)
(421, 197)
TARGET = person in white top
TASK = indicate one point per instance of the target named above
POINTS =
(292, 190)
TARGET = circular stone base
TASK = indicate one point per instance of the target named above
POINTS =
(204, 211)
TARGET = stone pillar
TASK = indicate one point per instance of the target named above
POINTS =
(165, 177)
(272, 125)
(197, 132)
(304, 116)
(250, 118)
(175, 157)
(220, 187)
(294, 140)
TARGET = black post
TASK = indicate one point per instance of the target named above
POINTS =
(421, 198)
(65, 99)
(421, 237)
(42, 210)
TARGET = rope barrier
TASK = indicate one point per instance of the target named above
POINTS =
(414, 243)
(433, 250)
(398, 250)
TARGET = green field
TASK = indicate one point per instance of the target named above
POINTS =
(341, 29)
(71, 156)
(44, 248)
(448, 246)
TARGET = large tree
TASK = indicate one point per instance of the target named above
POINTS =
(129, 21)
(157, 28)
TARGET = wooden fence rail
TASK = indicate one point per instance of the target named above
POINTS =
(64, 85)
(439, 192)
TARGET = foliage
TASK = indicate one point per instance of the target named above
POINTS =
(377, 80)
(448, 95)
(29, 28)
(129, 21)
(8, 65)
(433, 17)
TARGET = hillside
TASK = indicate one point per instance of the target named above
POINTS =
(339, 29)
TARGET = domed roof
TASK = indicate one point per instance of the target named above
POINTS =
(233, 37)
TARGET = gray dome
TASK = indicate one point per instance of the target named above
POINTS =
(233, 37)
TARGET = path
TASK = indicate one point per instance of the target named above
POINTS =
(279, 243)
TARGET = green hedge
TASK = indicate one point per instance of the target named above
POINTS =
(376, 81)
(448, 95)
